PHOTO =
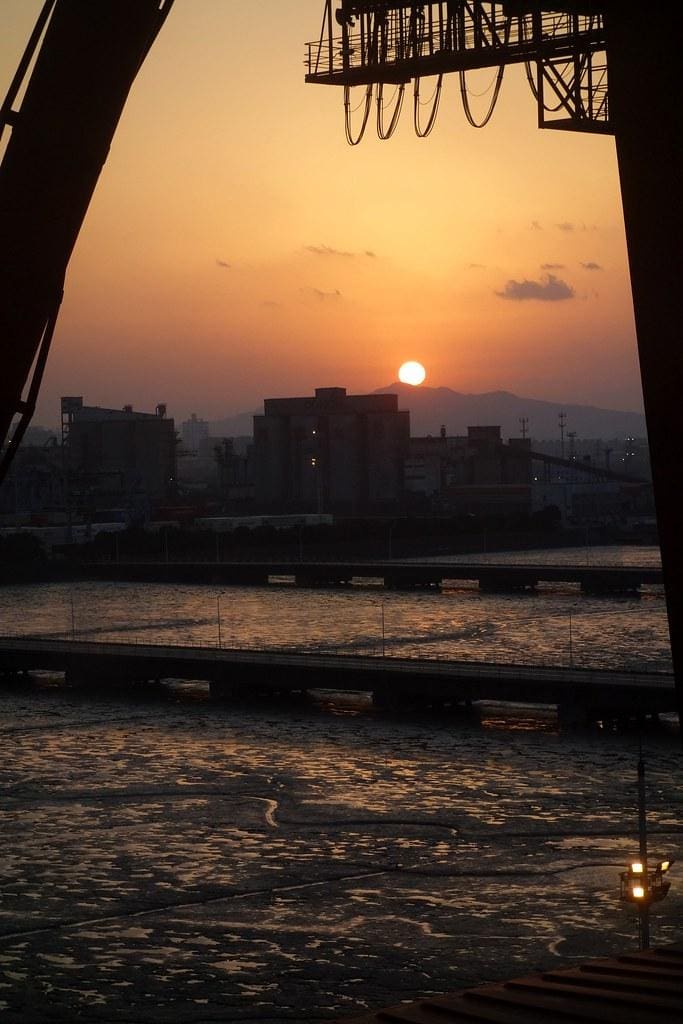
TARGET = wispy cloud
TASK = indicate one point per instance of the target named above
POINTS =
(328, 250)
(552, 266)
(566, 225)
(476, 266)
(551, 289)
(535, 226)
(590, 265)
(322, 296)
(222, 263)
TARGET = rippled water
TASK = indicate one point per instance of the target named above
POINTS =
(551, 626)
(167, 858)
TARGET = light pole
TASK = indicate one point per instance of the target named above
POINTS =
(383, 631)
(640, 884)
(218, 617)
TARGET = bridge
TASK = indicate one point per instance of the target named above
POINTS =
(581, 695)
(395, 575)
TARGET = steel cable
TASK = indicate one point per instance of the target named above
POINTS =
(382, 132)
(347, 114)
(422, 133)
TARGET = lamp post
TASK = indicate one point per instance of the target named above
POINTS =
(642, 885)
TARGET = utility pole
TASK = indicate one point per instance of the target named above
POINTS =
(562, 419)
(571, 434)
(644, 907)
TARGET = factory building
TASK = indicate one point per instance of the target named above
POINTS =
(118, 456)
(476, 474)
(331, 453)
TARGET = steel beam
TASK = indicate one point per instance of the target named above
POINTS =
(60, 139)
(646, 115)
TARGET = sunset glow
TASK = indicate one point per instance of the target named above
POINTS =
(237, 247)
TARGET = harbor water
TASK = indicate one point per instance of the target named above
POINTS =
(167, 858)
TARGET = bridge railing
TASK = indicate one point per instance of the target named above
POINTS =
(435, 666)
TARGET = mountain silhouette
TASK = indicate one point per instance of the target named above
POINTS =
(431, 408)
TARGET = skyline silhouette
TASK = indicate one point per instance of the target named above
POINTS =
(237, 247)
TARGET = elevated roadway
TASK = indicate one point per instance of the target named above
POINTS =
(394, 574)
(580, 694)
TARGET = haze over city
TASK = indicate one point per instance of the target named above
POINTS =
(236, 247)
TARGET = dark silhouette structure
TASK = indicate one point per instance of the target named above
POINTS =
(601, 66)
(331, 452)
(86, 58)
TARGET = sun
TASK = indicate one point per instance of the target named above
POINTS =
(412, 373)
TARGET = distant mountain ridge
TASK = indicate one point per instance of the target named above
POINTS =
(430, 408)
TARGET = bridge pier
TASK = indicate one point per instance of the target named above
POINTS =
(573, 714)
(608, 585)
(15, 676)
(505, 583)
(226, 690)
(404, 582)
(396, 697)
(312, 579)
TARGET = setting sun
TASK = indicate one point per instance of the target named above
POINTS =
(412, 373)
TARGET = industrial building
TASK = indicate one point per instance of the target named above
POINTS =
(476, 474)
(331, 453)
(118, 456)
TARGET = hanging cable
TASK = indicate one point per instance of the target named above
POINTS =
(496, 87)
(348, 112)
(382, 132)
(494, 98)
(530, 79)
(421, 132)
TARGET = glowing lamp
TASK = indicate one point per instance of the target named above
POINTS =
(638, 892)
(636, 868)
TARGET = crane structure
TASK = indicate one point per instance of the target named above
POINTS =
(61, 111)
(379, 44)
(604, 67)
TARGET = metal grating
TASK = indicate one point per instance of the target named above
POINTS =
(642, 988)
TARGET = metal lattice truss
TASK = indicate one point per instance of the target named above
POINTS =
(372, 44)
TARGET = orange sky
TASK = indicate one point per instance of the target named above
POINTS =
(341, 262)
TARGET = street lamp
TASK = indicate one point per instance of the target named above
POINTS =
(643, 886)
(640, 884)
